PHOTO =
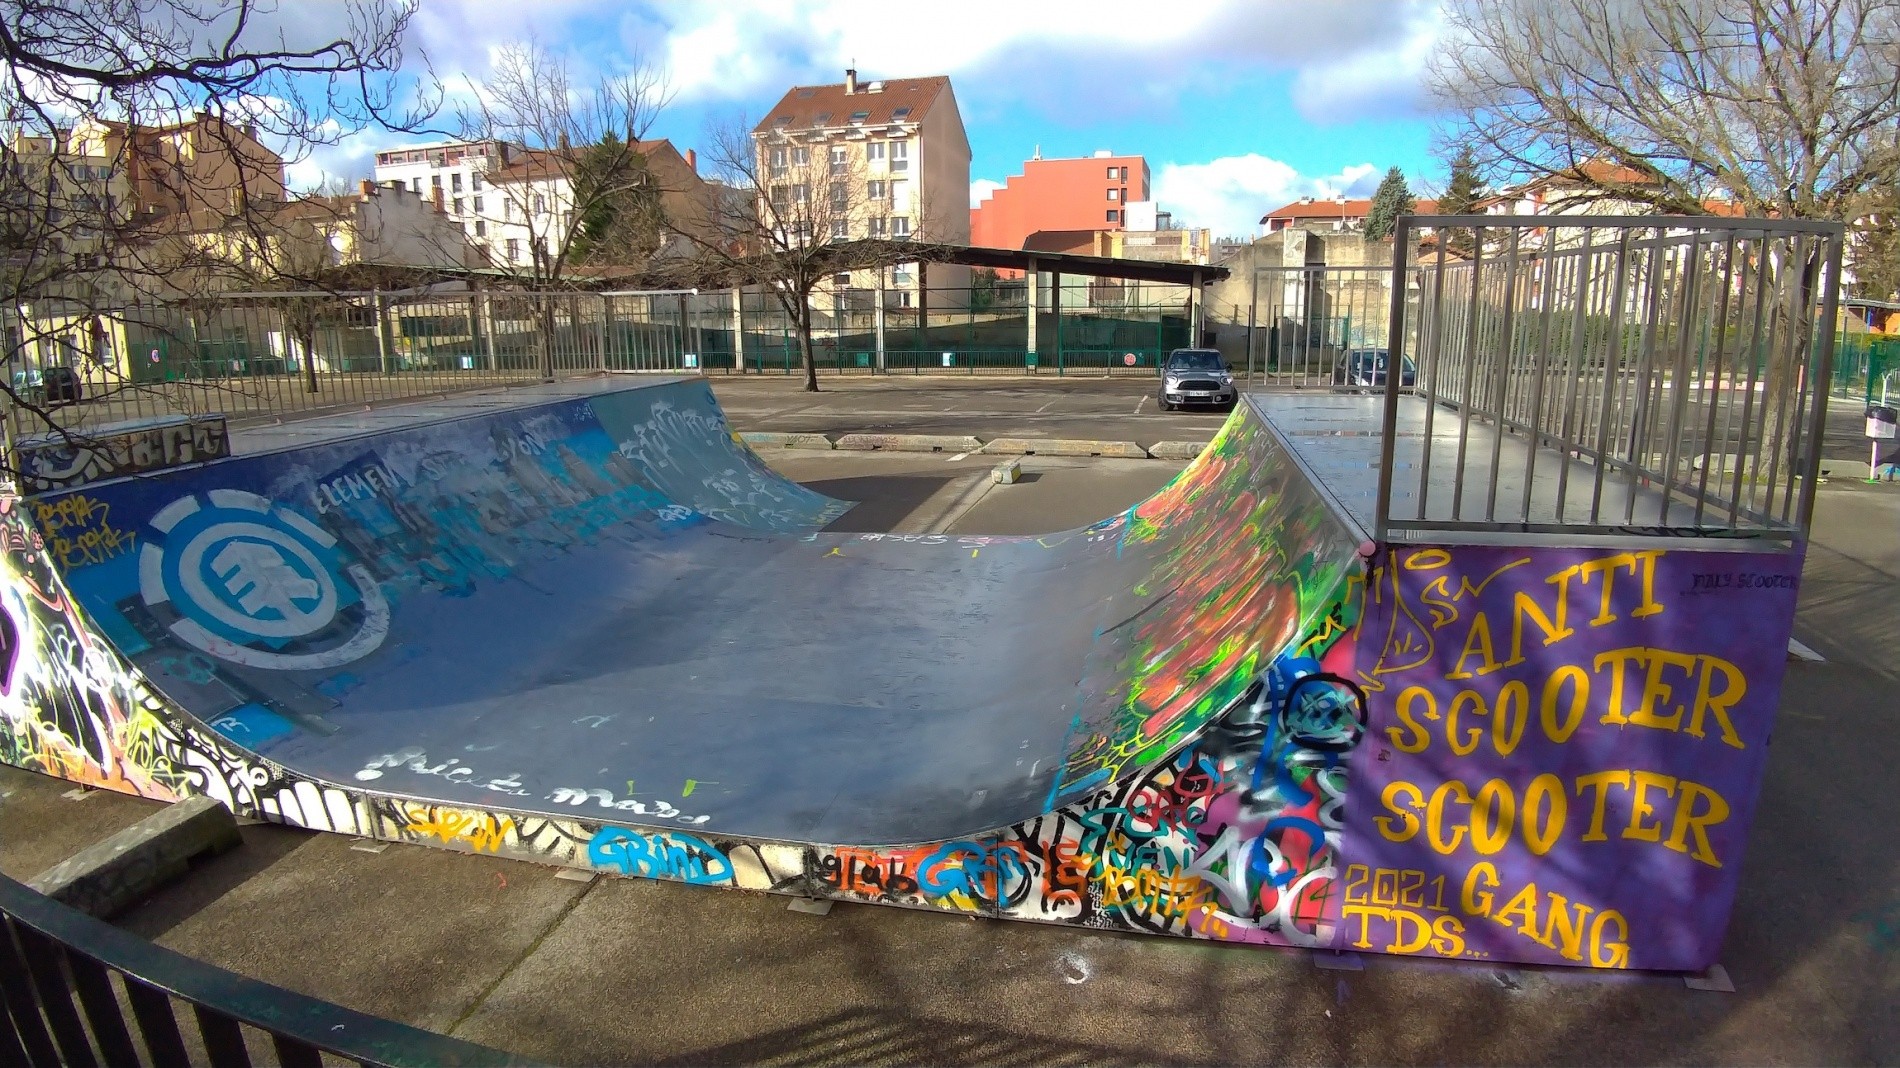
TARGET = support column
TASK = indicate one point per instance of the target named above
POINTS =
(1034, 304)
(699, 334)
(1197, 320)
(738, 329)
(1253, 307)
(682, 336)
(602, 332)
(1055, 313)
(488, 328)
(923, 308)
(877, 318)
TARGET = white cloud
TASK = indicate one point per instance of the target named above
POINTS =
(1384, 80)
(981, 189)
(1230, 194)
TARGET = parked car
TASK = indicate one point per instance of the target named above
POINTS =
(1366, 369)
(1194, 377)
(47, 385)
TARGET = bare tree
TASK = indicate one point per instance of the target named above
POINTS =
(797, 212)
(114, 115)
(572, 178)
(1787, 107)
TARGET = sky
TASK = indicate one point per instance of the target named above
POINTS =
(1239, 106)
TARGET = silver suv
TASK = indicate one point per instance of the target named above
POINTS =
(1196, 377)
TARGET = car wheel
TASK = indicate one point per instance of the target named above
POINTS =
(1165, 406)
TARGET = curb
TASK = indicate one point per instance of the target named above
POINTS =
(773, 440)
(1066, 447)
(110, 875)
(909, 443)
(1176, 450)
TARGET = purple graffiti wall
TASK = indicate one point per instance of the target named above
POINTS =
(1563, 751)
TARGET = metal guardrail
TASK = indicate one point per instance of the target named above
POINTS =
(1597, 375)
(63, 1007)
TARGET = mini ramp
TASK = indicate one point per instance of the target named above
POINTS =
(590, 628)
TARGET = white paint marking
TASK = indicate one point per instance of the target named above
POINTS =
(1140, 403)
(1046, 407)
(1802, 651)
(957, 457)
(1074, 968)
(366, 845)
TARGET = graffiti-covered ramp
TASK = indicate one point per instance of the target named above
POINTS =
(605, 606)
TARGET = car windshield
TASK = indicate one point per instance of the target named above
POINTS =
(1194, 361)
(1372, 358)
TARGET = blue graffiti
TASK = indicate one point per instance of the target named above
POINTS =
(661, 855)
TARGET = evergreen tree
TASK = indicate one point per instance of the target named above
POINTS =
(1462, 187)
(1392, 200)
(619, 207)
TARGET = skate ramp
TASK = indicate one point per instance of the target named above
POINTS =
(607, 607)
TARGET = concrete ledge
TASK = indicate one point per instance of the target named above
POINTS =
(1007, 473)
(773, 440)
(1176, 450)
(109, 876)
(1065, 447)
(909, 443)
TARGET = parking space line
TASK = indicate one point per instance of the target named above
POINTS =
(1139, 403)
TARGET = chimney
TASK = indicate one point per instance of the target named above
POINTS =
(692, 161)
(366, 189)
(560, 141)
(850, 80)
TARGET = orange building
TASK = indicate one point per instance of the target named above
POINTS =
(1091, 193)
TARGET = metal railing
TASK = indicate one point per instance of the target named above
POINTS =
(1597, 375)
(265, 355)
(1305, 322)
(77, 989)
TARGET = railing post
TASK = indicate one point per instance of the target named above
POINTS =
(1394, 363)
(602, 332)
(1253, 306)
(1034, 306)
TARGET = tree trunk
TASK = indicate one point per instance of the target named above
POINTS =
(308, 339)
(804, 345)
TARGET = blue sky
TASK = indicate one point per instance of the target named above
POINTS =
(1238, 106)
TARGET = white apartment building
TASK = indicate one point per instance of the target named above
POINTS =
(880, 159)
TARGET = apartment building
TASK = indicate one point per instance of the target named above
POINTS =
(513, 201)
(1338, 214)
(870, 159)
(1089, 193)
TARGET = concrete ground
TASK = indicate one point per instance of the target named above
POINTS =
(628, 971)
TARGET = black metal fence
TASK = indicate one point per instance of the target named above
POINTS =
(78, 991)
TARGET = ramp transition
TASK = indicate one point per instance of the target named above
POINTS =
(598, 631)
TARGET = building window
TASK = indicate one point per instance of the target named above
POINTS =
(481, 228)
(540, 203)
(455, 182)
(874, 150)
(435, 181)
(900, 226)
(900, 155)
(781, 197)
(877, 226)
(478, 205)
(415, 185)
(900, 114)
(801, 193)
(838, 159)
(1113, 194)
(839, 198)
(840, 230)
(801, 156)
(858, 117)
(842, 278)
(1114, 216)
(514, 249)
(508, 210)
(1111, 173)
(475, 181)
(874, 190)
(778, 162)
(456, 205)
(1124, 174)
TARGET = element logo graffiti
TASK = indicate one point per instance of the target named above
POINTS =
(249, 580)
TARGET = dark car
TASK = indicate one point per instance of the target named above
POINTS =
(1366, 369)
(47, 385)
(1196, 377)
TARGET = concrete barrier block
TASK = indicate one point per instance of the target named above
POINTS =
(109, 876)
(1176, 450)
(909, 443)
(1065, 447)
(1007, 473)
(776, 440)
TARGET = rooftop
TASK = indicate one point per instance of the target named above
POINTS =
(872, 104)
